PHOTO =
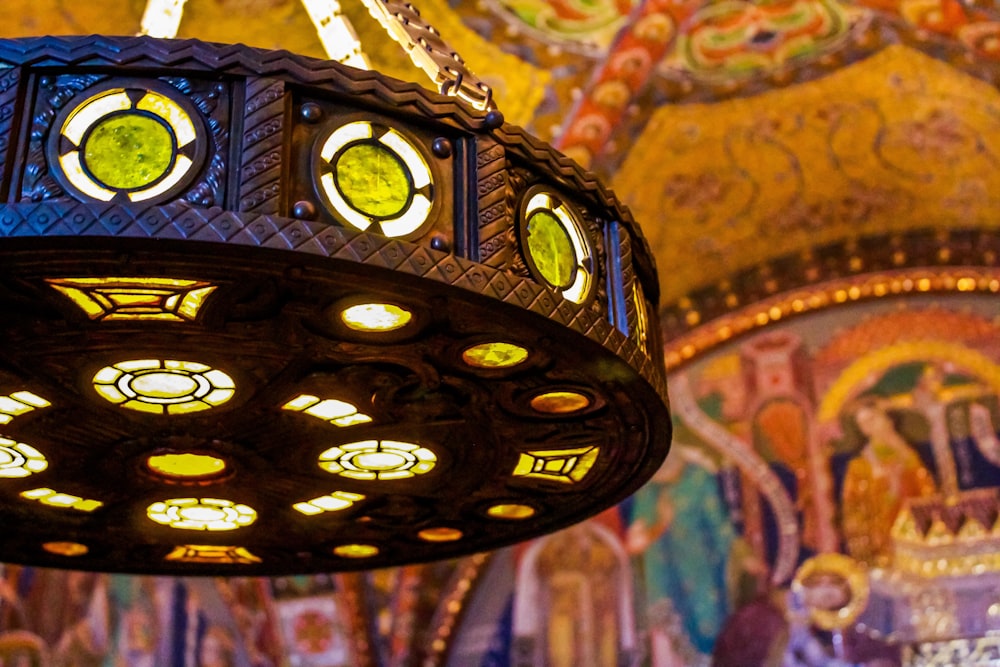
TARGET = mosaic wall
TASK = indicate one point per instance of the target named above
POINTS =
(808, 438)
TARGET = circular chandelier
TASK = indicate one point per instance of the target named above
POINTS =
(266, 314)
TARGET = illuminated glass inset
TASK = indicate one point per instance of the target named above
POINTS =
(19, 460)
(334, 502)
(557, 246)
(441, 534)
(70, 549)
(127, 151)
(560, 402)
(356, 550)
(338, 413)
(560, 465)
(164, 299)
(133, 143)
(54, 498)
(511, 511)
(186, 465)
(641, 317)
(164, 386)
(201, 514)
(495, 355)
(211, 553)
(551, 248)
(378, 317)
(378, 459)
(375, 179)
(19, 403)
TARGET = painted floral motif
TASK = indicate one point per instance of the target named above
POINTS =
(586, 23)
(738, 37)
(939, 136)
(974, 27)
(778, 173)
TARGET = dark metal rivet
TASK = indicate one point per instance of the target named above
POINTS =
(494, 119)
(304, 210)
(311, 112)
(440, 242)
(441, 147)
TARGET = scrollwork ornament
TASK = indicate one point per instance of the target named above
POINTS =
(53, 94)
(208, 98)
(518, 181)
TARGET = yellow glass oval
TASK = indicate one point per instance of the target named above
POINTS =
(66, 548)
(495, 355)
(511, 511)
(356, 550)
(440, 534)
(186, 465)
(560, 402)
(376, 317)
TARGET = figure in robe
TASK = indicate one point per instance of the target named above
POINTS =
(580, 576)
(878, 480)
(783, 426)
(683, 534)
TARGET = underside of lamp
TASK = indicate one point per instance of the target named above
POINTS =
(264, 314)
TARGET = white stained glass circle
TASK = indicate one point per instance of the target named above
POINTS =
(129, 144)
(375, 179)
(378, 460)
(556, 246)
(19, 460)
(214, 514)
(164, 386)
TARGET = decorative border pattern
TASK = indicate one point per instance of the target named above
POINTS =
(495, 213)
(263, 139)
(8, 106)
(923, 261)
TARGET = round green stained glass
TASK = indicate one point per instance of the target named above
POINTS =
(128, 151)
(551, 249)
(373, 180)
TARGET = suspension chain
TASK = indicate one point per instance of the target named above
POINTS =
(430, 53)
(336, 33)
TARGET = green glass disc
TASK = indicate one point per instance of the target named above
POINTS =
(373, 180)
(551, 249)
(128, 151)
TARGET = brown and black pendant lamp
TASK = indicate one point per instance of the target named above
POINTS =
(265, 314)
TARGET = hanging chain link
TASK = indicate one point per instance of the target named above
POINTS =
(429, 52)
(336, 33)
(401, 20)
(162, 18)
